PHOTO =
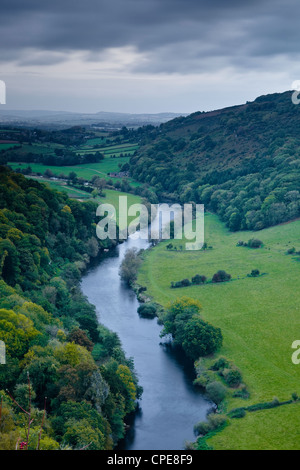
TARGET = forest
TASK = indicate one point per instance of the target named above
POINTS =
(242, 162)
(66, 383)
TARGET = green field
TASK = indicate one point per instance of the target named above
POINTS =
(259, 319)
(90, 146)
(87, 171)
(7, 146)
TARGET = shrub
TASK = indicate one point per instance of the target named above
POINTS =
(295, 396)
(237, 413)
(202, 428)
(147, 310)
(254, 273)
(214, 421)
(255, 243)
(204, 378)
(291, 251)
(275, 402)
(232, 377)
(198, 279)
(242, 392)
(216, 392)
(183, 283)
(220, 364)
(129, 266)
(221, 276)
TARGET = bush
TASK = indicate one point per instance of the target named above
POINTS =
(202, 428)
(147, 310)
(255, 243)
(242, 392)
(198, 279)
(221, 364)
(214, 421)
(254, 273)
(183, 283)
(216, 392)
(237, 413)
(232, 377)
(221, 276)
(204, 378)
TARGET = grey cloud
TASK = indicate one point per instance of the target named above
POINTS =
(175, 35)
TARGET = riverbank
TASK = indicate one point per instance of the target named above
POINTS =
(170, 403)
(257, 316)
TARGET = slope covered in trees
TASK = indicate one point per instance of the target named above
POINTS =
(242, 162)
(55, 347)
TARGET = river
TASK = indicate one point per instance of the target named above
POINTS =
(170, 405)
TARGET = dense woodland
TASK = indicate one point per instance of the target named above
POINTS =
(241, 162)
(55, 347)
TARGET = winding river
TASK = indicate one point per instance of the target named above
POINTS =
(170, 404)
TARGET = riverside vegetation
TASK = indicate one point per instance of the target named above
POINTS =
(252, 374)
(66, 383)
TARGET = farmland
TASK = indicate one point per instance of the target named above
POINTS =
(259, 319)
(85, 152)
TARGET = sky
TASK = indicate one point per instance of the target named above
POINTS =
(146, 56)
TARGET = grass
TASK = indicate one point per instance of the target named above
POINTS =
(111, 196)
(87, 171)
(7, 146)
(274, 429)
(259, 317)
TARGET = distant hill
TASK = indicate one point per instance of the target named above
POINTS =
(63, 119)
(242, 162)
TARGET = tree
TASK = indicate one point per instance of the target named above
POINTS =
(181, 307)
(72, 176)
(129, 266)
(221, 276)
(198, 279)
(201, 338)
(79, 337)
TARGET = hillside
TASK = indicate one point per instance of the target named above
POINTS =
(58, 357)
(242, 162)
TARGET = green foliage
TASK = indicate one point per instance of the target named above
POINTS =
(147, 310)
(201, 338)
(232, 161)
(196, 336)
(129, 266)
(237, 413)
(221, 276)
(46, 242)
(216, 392)
(214, 422)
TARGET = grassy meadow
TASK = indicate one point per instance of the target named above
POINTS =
(86, 171)
(259, 318)
(115, 155)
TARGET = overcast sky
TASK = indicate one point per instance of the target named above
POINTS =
(146, 56)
